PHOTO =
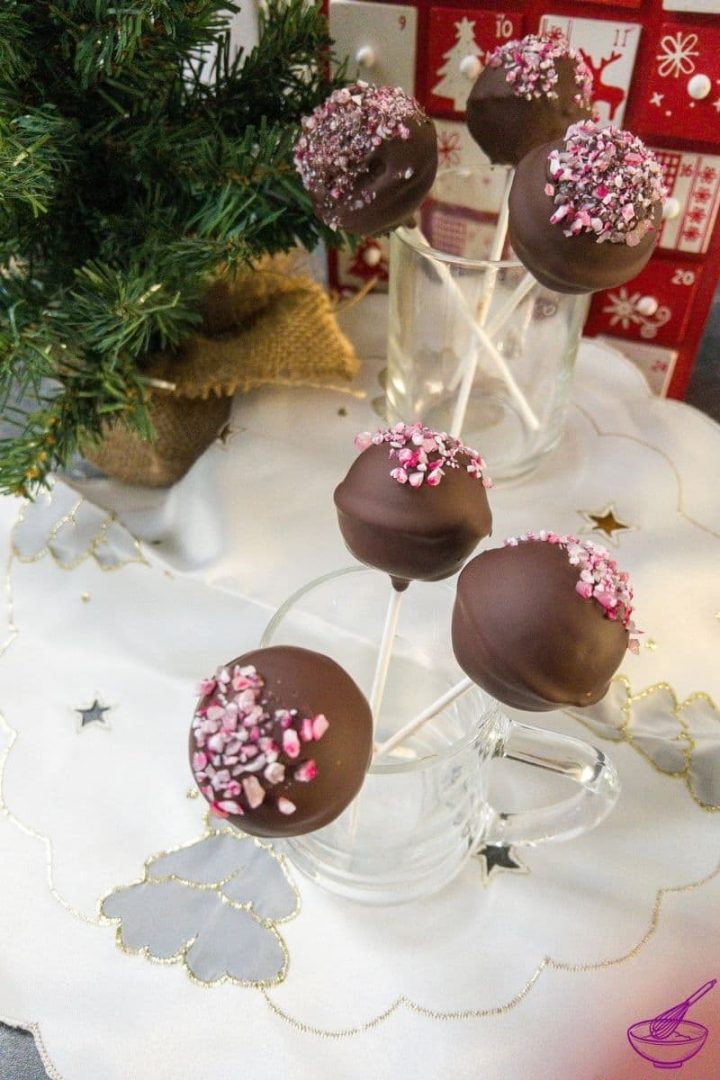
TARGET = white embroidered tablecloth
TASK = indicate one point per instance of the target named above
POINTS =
(117, 601)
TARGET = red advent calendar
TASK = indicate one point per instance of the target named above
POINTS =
(656, 71)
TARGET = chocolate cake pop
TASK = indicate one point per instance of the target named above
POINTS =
(527, 94)
(413, 503)
(280, 741)
(543, 622)
(584, 211)
(367, 157)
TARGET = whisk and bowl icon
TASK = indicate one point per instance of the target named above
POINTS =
(669, 1040)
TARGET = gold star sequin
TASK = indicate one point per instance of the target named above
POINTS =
(606, 522)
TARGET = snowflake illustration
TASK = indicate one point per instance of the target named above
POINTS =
(675, 54)
(622, 309)
(708, 175)
(449, 148)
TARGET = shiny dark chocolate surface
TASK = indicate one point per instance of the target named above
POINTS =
(398, 175)
(507, 126)
(312, 683)
(423, 533)
(522, 632)
(566, 264)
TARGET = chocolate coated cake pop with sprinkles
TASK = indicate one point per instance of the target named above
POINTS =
(584, 212)
(367, 156)
(528, 94)
(280, 741)
(413, 503)
(543, 622)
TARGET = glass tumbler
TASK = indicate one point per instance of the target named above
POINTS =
(424, 810)
(476, 346)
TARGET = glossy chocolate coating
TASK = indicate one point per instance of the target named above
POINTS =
(397, 175)
(566, 264)
(423, 533)
(311, 683)
(522, 632)
(507, 126)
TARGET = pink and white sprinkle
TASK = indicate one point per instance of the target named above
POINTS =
(599, 577)
(244, 750)
(604, 181)
(338, 137)
(423, 455)
(530, 66)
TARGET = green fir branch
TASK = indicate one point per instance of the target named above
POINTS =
(88, 396)
(127, 182)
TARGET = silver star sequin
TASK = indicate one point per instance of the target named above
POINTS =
(499, 858)
(92, 714)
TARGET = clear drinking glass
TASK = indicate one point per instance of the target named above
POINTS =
(451, 338)
(423, 810)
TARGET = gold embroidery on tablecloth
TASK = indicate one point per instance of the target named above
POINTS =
(13, 632)
(4, 756)
(547, 962)
(685, 743)
(93, 549)
(29, 831)
(216, 887)
(650, 446)
(34, 1029)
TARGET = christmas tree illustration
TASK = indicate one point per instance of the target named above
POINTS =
(453, 83)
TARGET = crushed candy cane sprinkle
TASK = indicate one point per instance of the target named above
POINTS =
(246, 752)
(605, 182)
(599, 577)
(530, 66)
(424, 455)
(337, 138)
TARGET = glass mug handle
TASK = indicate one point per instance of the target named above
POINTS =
(595, 775)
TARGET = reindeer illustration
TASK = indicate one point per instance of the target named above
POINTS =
(613, 96)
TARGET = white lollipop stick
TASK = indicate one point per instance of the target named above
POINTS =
(378, 687)
(483, 340)
(496, 250)
(422, 718)
(514, 300)
(489, 281)
(467, 370)
(383, 661)
(516, 297)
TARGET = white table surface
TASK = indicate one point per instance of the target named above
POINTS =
(129, 596)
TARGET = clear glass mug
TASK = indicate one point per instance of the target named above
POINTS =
(442, 287)
(423, 810)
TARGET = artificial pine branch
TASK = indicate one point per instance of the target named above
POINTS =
(126, 182)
